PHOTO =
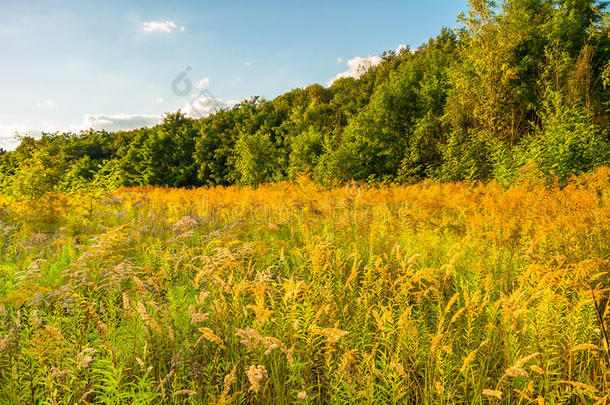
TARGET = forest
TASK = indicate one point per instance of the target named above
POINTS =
(519, 85)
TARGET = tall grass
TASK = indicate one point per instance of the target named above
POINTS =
(431, 293)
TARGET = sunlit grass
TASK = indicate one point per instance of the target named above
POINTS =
(431, 293)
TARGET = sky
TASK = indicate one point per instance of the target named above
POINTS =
(75, 65)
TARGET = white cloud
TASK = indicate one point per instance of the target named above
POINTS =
(203, 83)
(359, 66)
(118, 122)
(248, 64)
(158, 100)
(339, 60)
(46, 104)
(160, 26)
(205, 105)
(8, 141)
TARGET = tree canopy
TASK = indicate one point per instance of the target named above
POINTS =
(519, 83)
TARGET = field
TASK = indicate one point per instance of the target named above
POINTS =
(294, 293)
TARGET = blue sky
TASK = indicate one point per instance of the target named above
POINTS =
(71, 65)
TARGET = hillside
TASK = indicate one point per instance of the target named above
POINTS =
(523, 84)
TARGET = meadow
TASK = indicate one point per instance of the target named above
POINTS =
(292, 292)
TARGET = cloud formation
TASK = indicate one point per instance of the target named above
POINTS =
(201, 105)
(118, 122)
(203, 83)
(204, 105)
(160, 26)
(109, 122)
(8, 140)
(358, 66)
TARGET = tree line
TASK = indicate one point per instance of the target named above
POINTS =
(520, 84)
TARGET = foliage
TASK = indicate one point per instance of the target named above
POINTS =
(294, 293)
(257, 158)
(519, 81)
(571, 144)
(489, 286)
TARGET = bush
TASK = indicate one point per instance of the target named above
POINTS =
(257, 159)
(568, 142)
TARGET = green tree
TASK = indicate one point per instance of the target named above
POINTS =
(569, 142)
(168, 152)
(257, 159)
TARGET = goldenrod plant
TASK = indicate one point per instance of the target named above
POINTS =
(432, 293)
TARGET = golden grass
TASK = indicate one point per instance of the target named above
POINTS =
(430, 293)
